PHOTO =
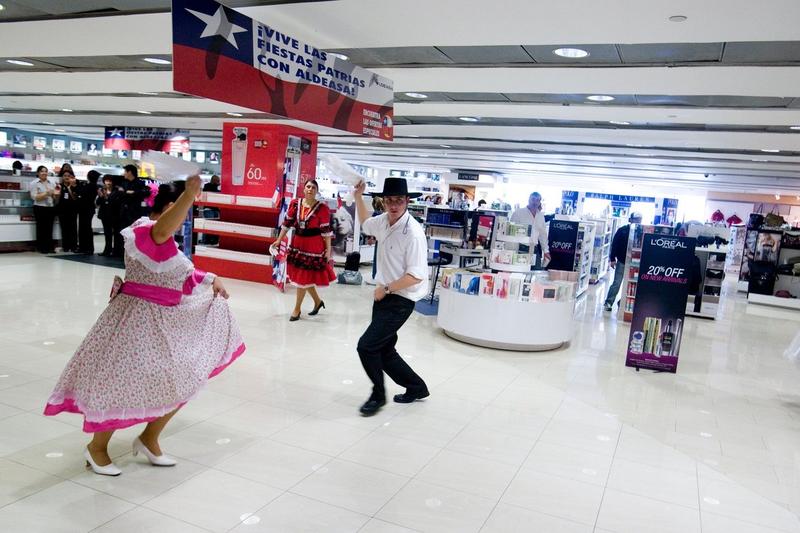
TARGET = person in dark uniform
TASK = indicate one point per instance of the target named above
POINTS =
(108, 203)
(87, 195)
(616, 258)
(134, 193)
(68, 212)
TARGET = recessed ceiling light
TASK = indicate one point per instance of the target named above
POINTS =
(362, 142)
(338, 56)
(794, 127)
(20, 63)
(65, 110)
(445, 146)
(600, 98)
(678, 18)
(49, 123)
(60, 130)
(759, 160)
(572, 53)
(414, 136)
(2, 7)
(777, 196)
(770, 150)
(148, 93)
(468, 119)
(234, 114)
(416, 95)
(620, 122)
(144, 112)
(157, 61)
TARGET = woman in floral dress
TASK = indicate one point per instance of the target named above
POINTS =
(166, 330)
(309, 259)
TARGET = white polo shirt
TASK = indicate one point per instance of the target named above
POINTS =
(402, 249)
(523, 215)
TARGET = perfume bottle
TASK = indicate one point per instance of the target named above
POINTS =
(667, 340)
(637, 342)
(238, 155)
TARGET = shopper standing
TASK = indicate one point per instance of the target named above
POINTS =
(44, 194)
(532, 215)
(178, 332)
(401, 280)
(616, 258)
(87, 195)
(68, 212)
(308, 263)
(133, 200)
(108, 203)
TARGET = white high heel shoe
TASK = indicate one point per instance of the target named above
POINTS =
(155, 460)
(108, 470)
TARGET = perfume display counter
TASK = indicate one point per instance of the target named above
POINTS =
(506, 324)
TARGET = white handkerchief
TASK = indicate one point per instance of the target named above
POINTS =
(169, 168)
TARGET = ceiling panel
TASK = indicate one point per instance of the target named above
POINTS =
(405, 55)
(486, 54)
(477, 97)
(598, 53)
(670, 52)
(762, 52)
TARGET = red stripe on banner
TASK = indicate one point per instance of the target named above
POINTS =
(224, 79)
(117, 143)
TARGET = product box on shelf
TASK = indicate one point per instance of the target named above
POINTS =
(217, 198)
(563, 275)
(487, 282)
(254, 201)
(501, 283)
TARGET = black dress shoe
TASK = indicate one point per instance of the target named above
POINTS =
(294, 318)
(371, 407)
(409, 397)
(317, 308)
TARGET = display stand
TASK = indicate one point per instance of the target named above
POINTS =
(786, 279)
(735, 248)
(633, 257)
(705, 302)
(504, 323)
(584, 255)
(604, 234)
(506, 255)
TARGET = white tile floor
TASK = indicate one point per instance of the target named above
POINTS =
(564, 441)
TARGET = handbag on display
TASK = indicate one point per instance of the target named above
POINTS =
(774, 220)
(762, 278)
(756, 218)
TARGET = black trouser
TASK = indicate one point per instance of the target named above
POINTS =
(85, 234)
(108, 233)
(376, 347)
(68, 218)
(44, 228)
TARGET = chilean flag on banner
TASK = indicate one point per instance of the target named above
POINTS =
(224, 55)
(115, 139)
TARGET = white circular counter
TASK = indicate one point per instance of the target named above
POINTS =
(505, 324)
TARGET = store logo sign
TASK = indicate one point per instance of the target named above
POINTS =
(562, 225)
(669, 244)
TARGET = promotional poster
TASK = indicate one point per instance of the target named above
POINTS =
(136, 138)
(275, 72)
(562, 238)
(659, 311)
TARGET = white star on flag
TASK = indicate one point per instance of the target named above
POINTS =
(218, 24)
(116, 132)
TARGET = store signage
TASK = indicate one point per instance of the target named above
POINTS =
(620, 197)
(659, 310)
(161, 139)
(274, 72)
(562, 238)
(468, 176)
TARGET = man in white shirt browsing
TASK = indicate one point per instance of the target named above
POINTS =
(401, 280)
(532, 215)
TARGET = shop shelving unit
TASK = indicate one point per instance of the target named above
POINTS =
(705, 302)
(583, 255)
(604, 233)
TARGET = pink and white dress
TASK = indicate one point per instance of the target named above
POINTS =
(156, 344)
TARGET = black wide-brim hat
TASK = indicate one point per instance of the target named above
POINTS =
(395, 187)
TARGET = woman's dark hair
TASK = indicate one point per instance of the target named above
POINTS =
(16, 165)
(40, 167)
(166, 195)
(93, 176)
(313, 182)
(64, 168)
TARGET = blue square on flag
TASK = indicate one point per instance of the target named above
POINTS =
(209, 26)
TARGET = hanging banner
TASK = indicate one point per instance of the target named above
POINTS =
(562, 238)
(221, 54)
(659, 311)
(161, 139)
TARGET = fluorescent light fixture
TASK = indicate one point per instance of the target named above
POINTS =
(49, 123)
(234, 114)
(157, 61)
(413, 136)
(417, 95)
(794, 127)
(60, 130)
(600, 98)
(144, 112)
(362, 142)
(19, 62)
(572, 53)
(445, 146)
(468, 119)
(423, 155)
(148, 93)
(678, 18)
(777, 196)
(338, 56)
(65, 110)
(2, 7)
(620, 122)
(770, 150)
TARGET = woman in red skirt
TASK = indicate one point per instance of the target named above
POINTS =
(308, 263)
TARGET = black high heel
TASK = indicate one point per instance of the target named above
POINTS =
(293, 318)
(317, 308)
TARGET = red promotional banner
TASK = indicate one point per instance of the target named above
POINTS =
(221, 54)
(163, 140)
